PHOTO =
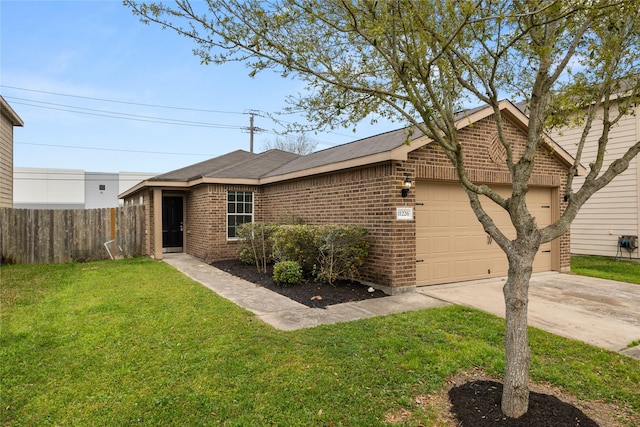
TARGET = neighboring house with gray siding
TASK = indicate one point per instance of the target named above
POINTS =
(614, 211)
(8, 120)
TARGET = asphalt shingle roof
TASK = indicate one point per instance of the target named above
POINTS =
(353, 150)
(256, 167)
(201, 169)
(241, 164)
(237, 164)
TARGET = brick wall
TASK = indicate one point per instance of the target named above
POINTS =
(206, 221)
(367, 196)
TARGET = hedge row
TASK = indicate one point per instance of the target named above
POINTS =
(328, 252)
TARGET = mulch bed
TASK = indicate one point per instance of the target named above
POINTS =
(477, 404)
(310, 293)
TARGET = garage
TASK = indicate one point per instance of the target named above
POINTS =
(451, 245)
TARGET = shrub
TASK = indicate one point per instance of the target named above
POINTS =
(287, 273)
(342, 252)
(298, 243)
(290, 218)
(255, 244)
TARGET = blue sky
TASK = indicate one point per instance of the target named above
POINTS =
(57, 56)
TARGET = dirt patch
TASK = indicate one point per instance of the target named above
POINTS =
(310, 293)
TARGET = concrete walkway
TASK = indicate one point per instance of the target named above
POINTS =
(600, 312)
(285, 314)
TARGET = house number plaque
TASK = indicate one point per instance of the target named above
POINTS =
(404, 213)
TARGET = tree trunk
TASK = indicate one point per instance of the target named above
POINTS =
(515, 395)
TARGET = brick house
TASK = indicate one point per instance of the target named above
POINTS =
(427, 235)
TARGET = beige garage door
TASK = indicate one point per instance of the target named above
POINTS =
(451, 245)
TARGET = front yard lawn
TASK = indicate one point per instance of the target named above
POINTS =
(606, 268)
(135, 342)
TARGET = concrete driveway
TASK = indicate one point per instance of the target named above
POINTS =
(601, 312)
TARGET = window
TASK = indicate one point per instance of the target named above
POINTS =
(102, 187)
(239, 211)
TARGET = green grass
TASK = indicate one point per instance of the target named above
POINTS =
(134, 342)
(606, 268)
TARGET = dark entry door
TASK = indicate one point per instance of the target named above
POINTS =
(172, 223)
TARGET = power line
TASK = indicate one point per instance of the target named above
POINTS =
(122, 102)
(113, 149)
(117, 115)
(155, 106)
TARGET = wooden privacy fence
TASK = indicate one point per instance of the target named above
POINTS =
(46, 236)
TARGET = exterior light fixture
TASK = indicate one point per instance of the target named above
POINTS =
(407, 187)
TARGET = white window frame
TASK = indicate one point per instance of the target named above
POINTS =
(236, 204)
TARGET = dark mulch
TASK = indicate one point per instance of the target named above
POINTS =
(309, 292)
(477, 404)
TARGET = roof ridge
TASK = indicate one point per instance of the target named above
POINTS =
(195, 165)
(252, 159)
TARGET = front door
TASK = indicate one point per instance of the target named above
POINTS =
(172, 223)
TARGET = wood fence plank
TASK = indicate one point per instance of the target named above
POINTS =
(45, 236)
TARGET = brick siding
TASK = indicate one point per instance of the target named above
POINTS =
(367, 196)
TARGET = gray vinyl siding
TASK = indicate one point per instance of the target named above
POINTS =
(614, 210)
(6, 162)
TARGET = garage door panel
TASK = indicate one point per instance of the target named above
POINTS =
(440, 194)
(440, 219)
(441, 245)
(423, 245)
(458, 196)
(451, 241)
(498, 265)
(422, 217)
(460, 219)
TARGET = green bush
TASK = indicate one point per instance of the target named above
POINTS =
(298, 243)
(342, 252)
(327, 251)
(290, 218)
(287, 273)
(255, 245)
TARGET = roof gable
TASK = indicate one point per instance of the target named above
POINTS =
(8, 113)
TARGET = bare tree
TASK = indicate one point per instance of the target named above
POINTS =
(423, 61)
(299, 144)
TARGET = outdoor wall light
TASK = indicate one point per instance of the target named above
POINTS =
(407, 187)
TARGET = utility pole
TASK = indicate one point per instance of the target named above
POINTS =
(252, 129)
